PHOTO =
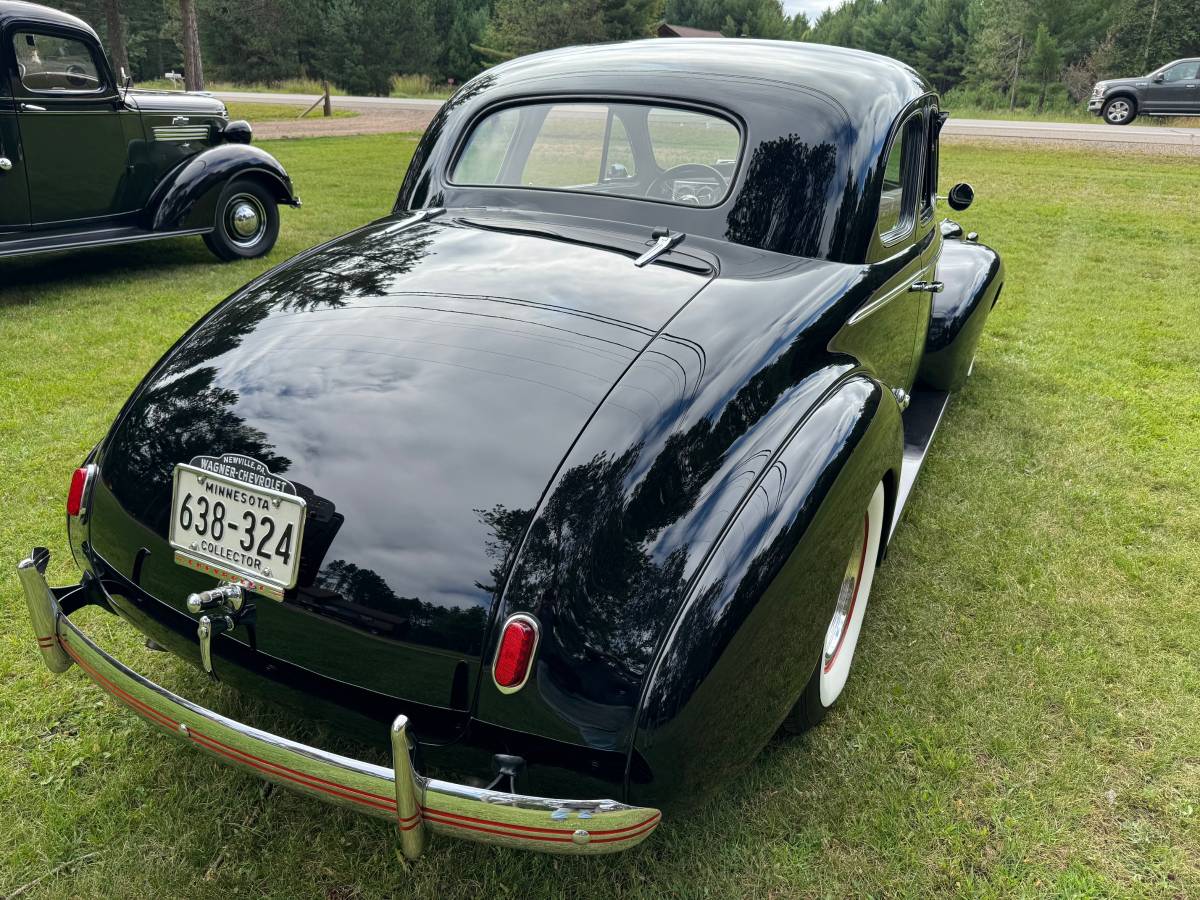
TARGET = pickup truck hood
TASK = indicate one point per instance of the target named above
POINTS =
(424, 381)
(176, 102)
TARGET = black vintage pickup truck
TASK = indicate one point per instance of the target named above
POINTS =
(86, 161)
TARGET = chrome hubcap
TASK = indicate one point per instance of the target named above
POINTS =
(244, 220)
(847, 595)
(1118, 111)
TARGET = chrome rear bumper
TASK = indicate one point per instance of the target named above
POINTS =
(419, 805)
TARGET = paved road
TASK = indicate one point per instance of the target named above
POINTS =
(357, 103)
(1057, 132)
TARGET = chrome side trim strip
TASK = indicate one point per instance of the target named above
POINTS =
(181, 132)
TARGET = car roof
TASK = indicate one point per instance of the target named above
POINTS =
(857, 80)
(18, 10)
(816, 122)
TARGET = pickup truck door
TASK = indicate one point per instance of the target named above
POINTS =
(1178, 92)
(14, 194)
(72, 137)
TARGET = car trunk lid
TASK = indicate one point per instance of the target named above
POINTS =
(419, 385)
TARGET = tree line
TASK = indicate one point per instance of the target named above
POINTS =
(987, 52)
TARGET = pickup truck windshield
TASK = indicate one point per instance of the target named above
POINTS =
(623, 149)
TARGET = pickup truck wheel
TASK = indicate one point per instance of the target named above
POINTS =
(1119, 111)
(841, 636)
(247, 223)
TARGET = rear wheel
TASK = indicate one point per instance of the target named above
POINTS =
(1119, 111)
(841, 636)
(247, 222)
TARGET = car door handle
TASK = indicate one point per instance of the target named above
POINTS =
(929, 287)
(32, 107)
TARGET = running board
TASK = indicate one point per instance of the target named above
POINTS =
(921, 420)
(46, 242)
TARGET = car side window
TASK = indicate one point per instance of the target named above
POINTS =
(52, 64)
(618, 155)
(1182, 72)
(929, 177)
(901, 178)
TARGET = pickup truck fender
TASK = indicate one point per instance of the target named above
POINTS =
(187, 197)
(746, 639)
(973, 275)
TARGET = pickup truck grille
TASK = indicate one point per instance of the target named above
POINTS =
(181, 133)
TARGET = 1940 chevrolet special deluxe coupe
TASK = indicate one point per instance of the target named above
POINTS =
(572, 474)
(85, 161)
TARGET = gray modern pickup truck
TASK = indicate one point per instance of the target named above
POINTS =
(1171, 90)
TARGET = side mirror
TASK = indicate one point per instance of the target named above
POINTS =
(617, 170)
(961, 196)
(1159, 78)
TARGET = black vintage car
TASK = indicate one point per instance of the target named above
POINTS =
(1171, 90)
(573, 473)
(86, 161)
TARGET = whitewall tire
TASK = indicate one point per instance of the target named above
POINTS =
(841, 635)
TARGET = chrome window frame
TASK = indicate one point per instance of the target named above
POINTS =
(95, 52)
(910, 180)
(463, 139)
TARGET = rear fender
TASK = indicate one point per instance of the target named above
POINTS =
(744, 644)
(973, 275)
(187, 197)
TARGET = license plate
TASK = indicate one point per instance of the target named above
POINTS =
(242, 532)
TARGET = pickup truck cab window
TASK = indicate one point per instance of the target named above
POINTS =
(634, 150)
(1184, 71)
(53, 64)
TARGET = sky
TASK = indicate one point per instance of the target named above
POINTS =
(811, 8)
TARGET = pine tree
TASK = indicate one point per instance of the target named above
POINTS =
(193, 64)
(1045, 62)
(941, 42)
(116, 35)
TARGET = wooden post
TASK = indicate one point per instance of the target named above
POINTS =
(328, 103)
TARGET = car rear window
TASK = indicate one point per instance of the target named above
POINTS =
(634, 150)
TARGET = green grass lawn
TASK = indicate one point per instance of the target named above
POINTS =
(278, 112)
(1023, 718)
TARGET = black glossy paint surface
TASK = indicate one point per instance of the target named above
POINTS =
(425, 380)
(186, 197)
(973, 276)
(491, 410)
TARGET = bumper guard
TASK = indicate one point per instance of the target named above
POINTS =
(419, 805)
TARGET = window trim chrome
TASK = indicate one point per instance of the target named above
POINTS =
(606, 99)
(99, 60)
(911, 182)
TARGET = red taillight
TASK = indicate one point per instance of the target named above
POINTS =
(79, 480)
(518, 640)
